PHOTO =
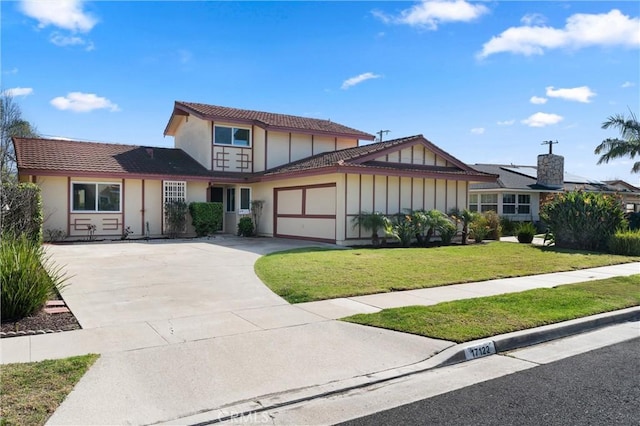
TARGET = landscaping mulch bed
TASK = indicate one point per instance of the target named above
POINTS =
(41, 322)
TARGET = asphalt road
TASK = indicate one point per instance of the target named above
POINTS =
(601, 387)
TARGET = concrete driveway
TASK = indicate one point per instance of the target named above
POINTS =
(187, 327)
(175, 286)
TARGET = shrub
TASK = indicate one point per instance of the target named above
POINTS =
(371, 221)
(21, 210)
(525, 232)
(447, 231)
(25, 283)
(245, 227)
(466, 217)
(401, 228)
(493, 221)
(626, 243)
(207, 217)
(479, 228)
(508, 226)
(582, 220)
(175, 214)
(53, 235)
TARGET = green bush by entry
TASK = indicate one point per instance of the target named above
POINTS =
(625, 242)
(245, 227)
(207, 217)
(25, 284)
(582, 220)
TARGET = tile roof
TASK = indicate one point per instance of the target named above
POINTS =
(103, 158)
(268, 120)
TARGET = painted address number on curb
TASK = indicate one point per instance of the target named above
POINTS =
(479, 350)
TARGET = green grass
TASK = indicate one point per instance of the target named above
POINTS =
(309, 274)
(31, 392)
(470, 319)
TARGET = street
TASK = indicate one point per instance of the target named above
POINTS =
(595, 388)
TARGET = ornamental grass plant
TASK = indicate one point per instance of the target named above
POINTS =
(28, 277)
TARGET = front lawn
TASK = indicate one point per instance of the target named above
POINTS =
(470, 319)
(304, 275)
(31, 392)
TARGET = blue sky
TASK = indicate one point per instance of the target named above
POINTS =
(486, 81)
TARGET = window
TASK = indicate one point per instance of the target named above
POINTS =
(175, 190)
(524, 204)
(245, 200)
(488, 202)
(231, 136)
(231, 200)
(95, 197)
(473, 202)
(508, 203)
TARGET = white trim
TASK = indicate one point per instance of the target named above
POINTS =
(240, 209)
(96, 183)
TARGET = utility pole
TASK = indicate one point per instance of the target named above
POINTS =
(380, 133)
(550, 143)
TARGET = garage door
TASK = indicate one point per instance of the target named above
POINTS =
(306, 212)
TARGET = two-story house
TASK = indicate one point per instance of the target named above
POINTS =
(313, 176)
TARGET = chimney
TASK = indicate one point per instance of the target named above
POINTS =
(551, 170)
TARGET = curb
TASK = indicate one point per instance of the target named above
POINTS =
(453, 355)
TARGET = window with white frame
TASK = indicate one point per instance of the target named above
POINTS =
(245, 201)
(96, 197)
(473, 202)
(174, 190)
(524, 204)
(234, 136)
(516, 203)
(488, 202)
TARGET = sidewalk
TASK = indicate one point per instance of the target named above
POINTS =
(297, 351)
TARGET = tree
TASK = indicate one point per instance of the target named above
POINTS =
(11, 124)
(627, 145)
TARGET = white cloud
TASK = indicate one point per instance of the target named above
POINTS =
(537, 100)
(429, 14)
(542, 119)
(579, 94)
(358, 79)
(83, 102)
(65, 14)
(506, 123)
(12, 71)
(62, 40)
(533, 19)
(477, 130)
(627, 84)
(581, 30)
(18, 91)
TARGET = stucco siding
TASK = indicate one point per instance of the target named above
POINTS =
(153, 206)
(343, 143)
(393, 195)
(380, 193)
(277, 149)
(258, 149)
(55, 202)
(194, 137)
(441, 195)
(133, 206)
(323, 144)
(300, 146)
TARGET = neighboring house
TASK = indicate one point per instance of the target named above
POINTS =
(311, 174)
(519, 190)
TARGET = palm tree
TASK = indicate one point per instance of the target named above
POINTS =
(627, 145)
(371, 221)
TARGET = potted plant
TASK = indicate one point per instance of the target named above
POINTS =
(525, 232)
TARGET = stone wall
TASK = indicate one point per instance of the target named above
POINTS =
(551, 170)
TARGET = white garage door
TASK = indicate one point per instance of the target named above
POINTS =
(306, 212)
